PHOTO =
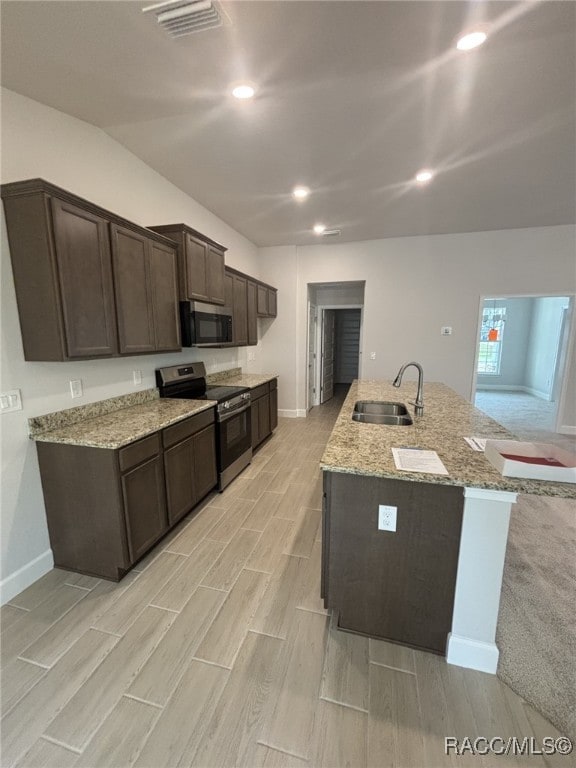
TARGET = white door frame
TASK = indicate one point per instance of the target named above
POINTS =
(319, 329)
(311, 335)
(565, 364)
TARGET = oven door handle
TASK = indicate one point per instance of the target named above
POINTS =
(227, 416)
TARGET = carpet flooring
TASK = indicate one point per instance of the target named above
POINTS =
(537, 622)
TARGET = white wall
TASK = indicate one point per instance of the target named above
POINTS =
(415, 285)
(278, 347)
(544, 341)
(41, 142)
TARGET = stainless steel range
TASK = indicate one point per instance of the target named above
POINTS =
(233, 423)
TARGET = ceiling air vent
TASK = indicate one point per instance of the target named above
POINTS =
(331, 232)
(180, 18)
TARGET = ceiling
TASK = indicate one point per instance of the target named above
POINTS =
(353, 99)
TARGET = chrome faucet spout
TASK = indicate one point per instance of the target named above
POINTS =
(419, 403)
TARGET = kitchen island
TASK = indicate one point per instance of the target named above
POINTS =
(435, 581)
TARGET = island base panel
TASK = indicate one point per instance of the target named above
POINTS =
(397, 585)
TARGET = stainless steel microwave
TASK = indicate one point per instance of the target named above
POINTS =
(205, 325)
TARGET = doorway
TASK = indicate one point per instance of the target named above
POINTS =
(339, 332)
(521, 355)
(334, 348)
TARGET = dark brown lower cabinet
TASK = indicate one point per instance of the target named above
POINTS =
(106, 508)
(144, 506)
(190, 472)
(264, 411)
(273, 405)
(395, 585)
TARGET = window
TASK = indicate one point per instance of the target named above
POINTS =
(490, 352)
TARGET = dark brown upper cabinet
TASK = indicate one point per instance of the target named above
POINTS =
(82, 255)
(240, 312)
(236, 294)
(252, 309)
(145, 284)
(200, 263)
(242, 293)
(61, 252)
(266, 301)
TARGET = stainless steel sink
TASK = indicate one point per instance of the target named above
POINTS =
(383, 418)
(380, 407)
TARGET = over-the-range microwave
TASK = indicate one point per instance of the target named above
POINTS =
(205, 325)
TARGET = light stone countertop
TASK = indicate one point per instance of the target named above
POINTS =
(123, 426)
(251, 380)
(365, 449)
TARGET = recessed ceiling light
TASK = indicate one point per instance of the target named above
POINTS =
(319, 228)
(243, 91)
(300, 193)
(424, 176)
(471, 40)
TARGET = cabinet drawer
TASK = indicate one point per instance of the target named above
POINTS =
(260, 391)
(136, 453)
(183, 429)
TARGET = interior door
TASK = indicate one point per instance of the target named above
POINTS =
(347, 346)
(311, 356)
(327, 383)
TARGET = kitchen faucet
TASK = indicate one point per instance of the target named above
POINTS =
(419, 404)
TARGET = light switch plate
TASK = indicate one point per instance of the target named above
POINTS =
(10, 401)
(137, 377)
(387, 517)
(372, 355)
(76, 389)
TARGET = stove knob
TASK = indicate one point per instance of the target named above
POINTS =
(225, 406)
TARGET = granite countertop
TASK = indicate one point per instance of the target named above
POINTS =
(125, 425)
(365, 449)
(251, 380)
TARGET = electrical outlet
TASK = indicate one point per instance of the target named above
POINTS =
(10, 401)
(137, 377)
(76, 389)
(372, 355)
(446, 330)
(387, 517)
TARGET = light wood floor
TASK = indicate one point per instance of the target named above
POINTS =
(216, 651)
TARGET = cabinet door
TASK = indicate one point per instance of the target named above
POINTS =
(196, 277)
(144, 506)
(164, 283)
(264, 417)
(240, 311)
(252, 313)
(85, 277)
(272, 303)
(254, 411)
(215, 274)
(262, 301)
(180, 487)
(204, 462)
(273, 408)
(130, 255)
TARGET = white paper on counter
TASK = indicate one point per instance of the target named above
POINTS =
(418, 460)
(476, 443)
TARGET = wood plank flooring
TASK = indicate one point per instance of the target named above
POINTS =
(216, 651)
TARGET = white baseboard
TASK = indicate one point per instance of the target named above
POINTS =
(513, 388)
(472, 654)
(537, 393)
(18, 581)
(566, 430)
(298, 413)
(503, 387)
